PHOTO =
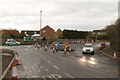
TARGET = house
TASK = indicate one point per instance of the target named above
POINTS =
(59, 33)
(29, 35)
(48, 32)
(95, 32)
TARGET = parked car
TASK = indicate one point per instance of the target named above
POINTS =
(11, 42)
(88, 48)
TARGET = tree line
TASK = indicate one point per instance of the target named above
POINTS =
(74, 34)
(114, 31)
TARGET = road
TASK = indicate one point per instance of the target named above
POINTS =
(38, 63)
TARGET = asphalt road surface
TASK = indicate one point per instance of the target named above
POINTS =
(38, 63)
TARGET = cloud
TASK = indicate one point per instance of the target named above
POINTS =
(25, 14)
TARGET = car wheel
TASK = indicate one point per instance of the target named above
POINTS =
(83, 52)
(7, 44)
(93, 53)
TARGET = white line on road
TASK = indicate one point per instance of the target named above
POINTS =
(49, 62)
(45, 77)
(69, 75)
(33, 76)
(56, 67)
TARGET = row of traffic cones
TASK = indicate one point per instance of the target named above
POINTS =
(38, 46)
(14, 66)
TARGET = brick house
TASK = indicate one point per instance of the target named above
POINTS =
(59, 33)
(47, 32)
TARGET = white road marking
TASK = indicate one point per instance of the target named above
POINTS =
(56, 67)
(33, 76)
(56, 76)
(69, 75)
(46, 76)
(42, 68)
(49, 62)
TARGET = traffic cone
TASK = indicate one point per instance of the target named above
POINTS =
(45, 47)
(53, 50)
(65, 51)
(114, 56)
(35, 45)
(38, 46)
(14, 71)
(17, 59)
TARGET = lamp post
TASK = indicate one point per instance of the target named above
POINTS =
(40, 21)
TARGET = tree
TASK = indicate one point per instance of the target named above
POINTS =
(74, 34)
(113, 30)
(10, 33)
(103, 37)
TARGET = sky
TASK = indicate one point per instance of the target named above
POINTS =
(64, 14)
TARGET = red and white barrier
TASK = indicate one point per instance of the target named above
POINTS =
(14, 71)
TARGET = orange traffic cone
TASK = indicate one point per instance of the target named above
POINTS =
(38, 46)
(65, 51)
(17, 59)
(114, 56)
(45, 47)
(14, 71)
(53, 49)
(35, 45)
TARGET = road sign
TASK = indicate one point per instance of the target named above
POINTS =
(27, 38)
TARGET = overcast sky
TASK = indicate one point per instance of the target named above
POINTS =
(66, 14)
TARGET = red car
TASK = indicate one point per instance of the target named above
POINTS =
(103, 45)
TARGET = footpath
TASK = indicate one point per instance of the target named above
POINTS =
(110, 53)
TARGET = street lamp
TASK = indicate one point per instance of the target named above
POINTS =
(40, 21)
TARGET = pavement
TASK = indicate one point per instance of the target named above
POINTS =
(38, 63)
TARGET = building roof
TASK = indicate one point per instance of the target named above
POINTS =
(59, 30)
(47, 27)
